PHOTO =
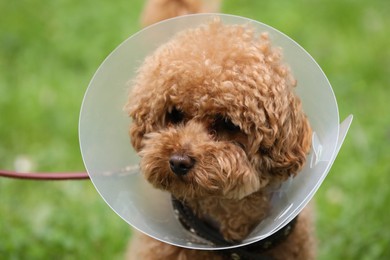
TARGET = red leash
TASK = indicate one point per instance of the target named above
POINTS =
(50, 176)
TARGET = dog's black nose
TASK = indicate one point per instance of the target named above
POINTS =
(181, 164)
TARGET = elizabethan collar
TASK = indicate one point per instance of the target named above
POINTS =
(113, 165)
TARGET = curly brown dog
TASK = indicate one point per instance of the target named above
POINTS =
(217, 124)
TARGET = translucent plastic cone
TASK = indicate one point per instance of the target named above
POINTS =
(113, 165)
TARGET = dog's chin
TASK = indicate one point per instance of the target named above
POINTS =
(195, 186)
(221, 169)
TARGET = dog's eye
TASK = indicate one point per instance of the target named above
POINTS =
(225, 124)
(175, 116)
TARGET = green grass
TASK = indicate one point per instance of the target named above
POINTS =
(49, 51)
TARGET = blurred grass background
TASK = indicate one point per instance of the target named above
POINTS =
(49, 50)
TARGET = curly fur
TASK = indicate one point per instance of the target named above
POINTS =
(222, 96)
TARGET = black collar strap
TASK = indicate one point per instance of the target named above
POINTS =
(253, 251)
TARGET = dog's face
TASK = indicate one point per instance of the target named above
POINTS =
(214, 114)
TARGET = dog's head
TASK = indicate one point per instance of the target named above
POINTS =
(214, 113)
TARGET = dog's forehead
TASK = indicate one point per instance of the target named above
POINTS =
(205, 98)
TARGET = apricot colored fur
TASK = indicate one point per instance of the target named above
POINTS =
(221, 95)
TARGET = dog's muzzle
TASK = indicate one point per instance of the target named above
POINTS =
(181, 164)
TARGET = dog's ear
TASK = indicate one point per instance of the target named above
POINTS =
(146, 102)
(144, 118)
(137, 132)
(138, 126)
(292, 143)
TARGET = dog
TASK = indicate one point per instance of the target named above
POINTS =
(217, 123)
